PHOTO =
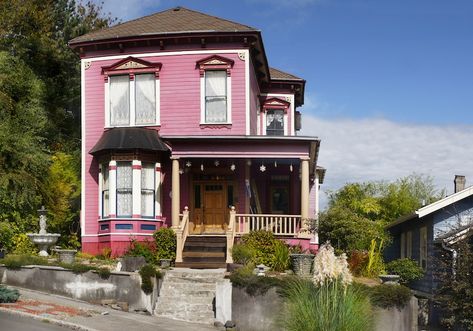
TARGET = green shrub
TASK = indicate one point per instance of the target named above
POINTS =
(8, 295)
(147, 272)
(77, 268)
(23, 245)
(331, 306)
(281, 257)
(12, 261)
(165, 243)
(242, 253)
(357, 262)
(144, 249)
(253, 285)
(7, 232)
(407, 269)
(375, 264)
(388, 296)
(104, 273)
(263, 244)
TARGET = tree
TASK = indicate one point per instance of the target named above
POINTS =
(358, 212)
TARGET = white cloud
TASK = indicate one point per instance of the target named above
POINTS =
(126, 10)
(377, 149)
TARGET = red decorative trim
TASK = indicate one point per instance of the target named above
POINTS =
(215, 126)
(112, 167)
(136, 167)
(158, 169)
(275, 103)
(214, 62)
(136, 216)
(131, 66)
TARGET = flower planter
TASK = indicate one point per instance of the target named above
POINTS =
(66, 255)
(302, 264)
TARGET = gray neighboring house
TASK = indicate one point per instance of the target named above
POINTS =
(424, 233)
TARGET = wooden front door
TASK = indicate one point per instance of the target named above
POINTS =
(210, 210)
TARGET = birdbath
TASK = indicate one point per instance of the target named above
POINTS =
(43, 239)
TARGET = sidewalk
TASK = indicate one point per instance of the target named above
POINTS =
(80, 315)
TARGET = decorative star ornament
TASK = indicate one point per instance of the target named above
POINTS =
(290, 168)
(188, 164)
(217, 163)
(262, 168)
(181, 171)
(233, 167)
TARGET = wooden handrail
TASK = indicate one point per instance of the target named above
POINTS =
(181, 233)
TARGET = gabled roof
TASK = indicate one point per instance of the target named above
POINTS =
(277, 74)
(171, 21)
(435, 206)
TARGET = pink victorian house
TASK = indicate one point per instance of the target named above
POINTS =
(185, 125)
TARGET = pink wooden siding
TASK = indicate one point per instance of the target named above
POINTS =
(312, 200)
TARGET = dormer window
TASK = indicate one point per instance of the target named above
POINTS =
(215, 83)
(132, 93)
(274, 118)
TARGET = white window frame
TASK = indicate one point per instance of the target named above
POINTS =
(203, 100)
(136, 191)
(132, 108)
(265, 125)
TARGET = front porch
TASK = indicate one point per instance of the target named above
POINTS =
(231, 188)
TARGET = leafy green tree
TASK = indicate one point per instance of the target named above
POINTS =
(358, 212)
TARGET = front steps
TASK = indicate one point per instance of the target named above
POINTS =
(204, 252)
(189, 295)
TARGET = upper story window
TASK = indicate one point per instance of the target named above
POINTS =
(275, 122)
(274, 117)
(215, 84)
(132, 93)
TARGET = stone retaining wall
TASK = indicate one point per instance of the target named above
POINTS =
(119, 287)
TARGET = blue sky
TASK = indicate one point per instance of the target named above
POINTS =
(389, 83)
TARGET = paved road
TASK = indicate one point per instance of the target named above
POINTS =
(10, 322)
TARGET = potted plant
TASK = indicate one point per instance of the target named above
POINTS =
(301, 261)
(165, 246)
(66, 255)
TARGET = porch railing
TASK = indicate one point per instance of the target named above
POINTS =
(279, 225)
(181, 233)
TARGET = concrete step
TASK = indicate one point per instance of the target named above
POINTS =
(201, 265)
(203, 254)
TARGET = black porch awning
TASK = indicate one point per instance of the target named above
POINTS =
(121, 139)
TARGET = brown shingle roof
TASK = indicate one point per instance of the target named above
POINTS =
(281, 75)
(171, 21)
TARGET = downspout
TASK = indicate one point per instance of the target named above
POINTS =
(454, 257)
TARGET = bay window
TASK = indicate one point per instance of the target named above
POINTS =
(130, 189)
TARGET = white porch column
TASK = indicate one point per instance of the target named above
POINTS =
(304, 197)
(136, 191)
(112, 177)
(175, 193)
(158, 202)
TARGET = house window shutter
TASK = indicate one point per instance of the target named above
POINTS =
(147, 189)
(215, 96)
(120, 100)
(145, 99)
(124, 189)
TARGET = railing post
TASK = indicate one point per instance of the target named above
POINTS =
(180, 236)
(178, 244)
(231, 234)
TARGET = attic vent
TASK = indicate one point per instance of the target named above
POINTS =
(177, 8)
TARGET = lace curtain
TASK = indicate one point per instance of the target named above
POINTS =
(105, 191)
(216, 96)
(119, 100)
(124, 189)
(147, 190)
(145, 99)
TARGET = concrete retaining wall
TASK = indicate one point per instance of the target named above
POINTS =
(258, 313)
(120, 286)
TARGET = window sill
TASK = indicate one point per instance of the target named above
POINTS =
(132, 126)
(216, 125)
(130, 219)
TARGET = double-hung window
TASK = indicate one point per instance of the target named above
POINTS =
(274, 117)
(215, 84)
(132, 93)
(124, 189)
(275, 122)
(148, 190)
(215, 96)
(105, 191)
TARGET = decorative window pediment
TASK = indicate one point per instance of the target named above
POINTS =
(275, 103)
(131, 66)
(214, 62)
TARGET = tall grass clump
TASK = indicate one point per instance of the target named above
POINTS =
(329, 301)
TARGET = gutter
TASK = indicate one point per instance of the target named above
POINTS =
(454, 257)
